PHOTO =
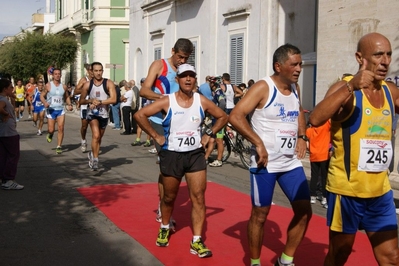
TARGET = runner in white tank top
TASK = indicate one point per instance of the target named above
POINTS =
(278, 135)
(181, 142)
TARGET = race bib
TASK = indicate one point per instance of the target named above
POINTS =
(186, 140)
(285, 141)
(38, 103)
(20, 95)
(375, 155)
(56, 101)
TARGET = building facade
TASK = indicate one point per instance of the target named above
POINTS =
(233, 36)
(101, 27)
(341, 24)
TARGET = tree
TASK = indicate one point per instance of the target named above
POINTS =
(32, 54)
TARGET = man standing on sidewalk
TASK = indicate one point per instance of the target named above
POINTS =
(101, 93)
(9, 138)
(52, 98)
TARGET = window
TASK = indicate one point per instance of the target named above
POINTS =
(157, 53)
(236, 58)
(192, 58)
(60, 10)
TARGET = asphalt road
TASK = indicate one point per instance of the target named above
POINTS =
(50, 223)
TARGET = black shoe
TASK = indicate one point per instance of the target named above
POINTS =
(125, 133)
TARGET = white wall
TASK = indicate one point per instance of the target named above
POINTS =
(341, 24)
(268, 25)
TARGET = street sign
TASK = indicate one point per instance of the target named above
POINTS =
(114, 66)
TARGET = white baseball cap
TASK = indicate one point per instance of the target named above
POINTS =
(185, 68)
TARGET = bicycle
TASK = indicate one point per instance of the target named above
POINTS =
(234, 142)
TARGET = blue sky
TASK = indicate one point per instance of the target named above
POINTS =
(17, 14)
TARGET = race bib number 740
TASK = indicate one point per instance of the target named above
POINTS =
(375, 155)
(186, 141)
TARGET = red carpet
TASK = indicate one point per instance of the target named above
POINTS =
(132, 208)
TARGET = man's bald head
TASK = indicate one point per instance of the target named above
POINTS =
(370, 39)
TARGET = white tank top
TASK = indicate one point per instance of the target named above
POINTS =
(55, 97)
(98, 92)
(229, 96)
(182, 125)
(277, 125)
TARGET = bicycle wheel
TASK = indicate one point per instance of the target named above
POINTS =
(226, 150)
(244, 149)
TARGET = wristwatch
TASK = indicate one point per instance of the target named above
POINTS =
(209, 132)
(303, 137)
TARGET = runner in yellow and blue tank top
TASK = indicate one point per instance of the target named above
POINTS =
(359, 197)
(19, 100)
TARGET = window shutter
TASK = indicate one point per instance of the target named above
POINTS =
(236, 58)
(157, 53)
(192, 58)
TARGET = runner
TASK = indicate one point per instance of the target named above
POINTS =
(83, 108)
(53, 98)
(38, 107)
(101, 93)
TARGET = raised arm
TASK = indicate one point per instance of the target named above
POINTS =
(153, 73)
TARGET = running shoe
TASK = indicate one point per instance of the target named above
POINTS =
(279, 263)
(147, 143)
(29, 117)
(324, 203)
(34, 124)
(95, 165)
(199, 248)
(90, 156)
(163, 237)
(312, 199)
(216, 163)
(136, 143)
(11, 185)
(49, 137)
(39, 133)
(83, 147)
(58, 150)
(153, 151)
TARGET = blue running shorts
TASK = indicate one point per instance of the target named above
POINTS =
(38, 109)
(349, 214)
(293, 183)
(53, 114)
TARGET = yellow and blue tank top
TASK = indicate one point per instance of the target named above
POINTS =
(362, 148)
(20, 93)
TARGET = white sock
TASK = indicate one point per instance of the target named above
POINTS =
(164, 226)
(195, 238)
